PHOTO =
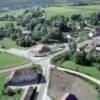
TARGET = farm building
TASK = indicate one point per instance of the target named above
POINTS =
(29, 94)
(40, 48)
(23, 76)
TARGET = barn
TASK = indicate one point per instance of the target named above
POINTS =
(23, 76)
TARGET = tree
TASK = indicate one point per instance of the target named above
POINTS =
(95, 18)
(25, 41)
(45, 39)
(55, 33)
(90, 57)
(73, 46)
(80, 58)
(76, 17)
(8, 91)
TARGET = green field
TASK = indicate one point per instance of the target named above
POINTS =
(5, 97)
(8, 60)
(65, 10)
(14, 12)
(89, 70)
(50, 11)
(8, 43)
(70, 10)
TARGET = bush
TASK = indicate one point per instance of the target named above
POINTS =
(97, 65)
(91, 59)
(18, 91)
(9, 92)
(68, 55)
(80, 58)
(38, 68)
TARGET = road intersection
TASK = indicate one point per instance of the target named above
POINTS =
(46, 65)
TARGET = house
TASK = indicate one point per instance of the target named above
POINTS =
(40, 48)
(95, 32)
(23, 76)
(86, 46)
(29, 94)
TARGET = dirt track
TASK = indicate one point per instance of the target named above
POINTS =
(62, 83)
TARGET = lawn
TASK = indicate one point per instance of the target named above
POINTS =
(5, 97)
(8, 60)
(89, 70)
(8, 43)
(13, 12)
(69, 10)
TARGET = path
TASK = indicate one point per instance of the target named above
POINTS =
(46, 65)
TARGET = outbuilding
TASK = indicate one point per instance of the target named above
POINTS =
(23, 76)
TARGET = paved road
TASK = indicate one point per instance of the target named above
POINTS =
(43, 61)
(46, 65)
(17, 67)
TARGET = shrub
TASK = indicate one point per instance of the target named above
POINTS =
(38, 68)
(97, 65)
(80, 58)
(9, 92)
(68, 55)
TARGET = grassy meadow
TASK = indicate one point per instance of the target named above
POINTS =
(8, 60)
(70, 10)
(8, 43)
(63, 10)
(89, 70)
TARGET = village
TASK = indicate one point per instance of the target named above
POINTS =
(49, 58)
(29, 79)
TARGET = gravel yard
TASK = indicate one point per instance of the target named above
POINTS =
(61, 83)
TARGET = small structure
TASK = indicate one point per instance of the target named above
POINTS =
(40, 48)
(29, 94)
(23, 76)
(68, 36)
(95, 32)
(86, 46)
(69, 96)
(97, 47)
(26, 32)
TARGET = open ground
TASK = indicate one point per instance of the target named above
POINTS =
(62, 83)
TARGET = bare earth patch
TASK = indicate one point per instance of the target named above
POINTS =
(61, 83)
